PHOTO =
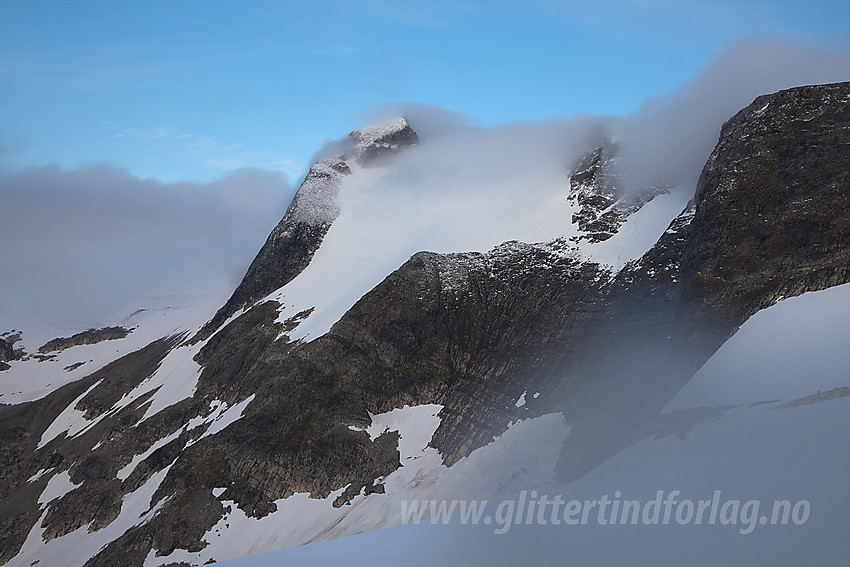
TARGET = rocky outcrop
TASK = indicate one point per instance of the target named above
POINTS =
(89, 337)
(596, 188)
(8, 352)
(817, 398)
(773, 206)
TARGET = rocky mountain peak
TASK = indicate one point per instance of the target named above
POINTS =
(291, 245)
(379, 139)
(596, 188)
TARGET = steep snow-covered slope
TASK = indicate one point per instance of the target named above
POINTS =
(790, 350)
(525, 455)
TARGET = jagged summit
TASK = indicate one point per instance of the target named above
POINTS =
(378, 139)
(596, 189)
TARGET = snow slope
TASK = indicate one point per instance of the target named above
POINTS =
(787, 351)
(78, 546)
(150, 320)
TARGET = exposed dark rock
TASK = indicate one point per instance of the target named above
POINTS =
(8, 352)
(89, 337)
(773, 207)
(291, 245)
(817, 398)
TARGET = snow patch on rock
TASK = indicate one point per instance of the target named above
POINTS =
(71, 421)
(58, 486)
(76, 548)
(503, 464)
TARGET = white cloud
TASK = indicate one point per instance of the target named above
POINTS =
(77, 242)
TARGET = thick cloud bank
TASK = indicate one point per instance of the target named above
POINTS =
(671, 136)
(77, 244)
(666, 141)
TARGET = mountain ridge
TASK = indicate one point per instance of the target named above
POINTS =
(471, 332)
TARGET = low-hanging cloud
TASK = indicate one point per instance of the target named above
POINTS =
(470, 188)
(671, 136)
(668, 139)
(78, 243)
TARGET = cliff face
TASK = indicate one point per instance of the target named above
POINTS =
(772, 205)
(471, 332)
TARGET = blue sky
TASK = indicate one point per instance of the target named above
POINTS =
(192, 90)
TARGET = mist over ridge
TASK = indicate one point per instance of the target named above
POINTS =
(84, 226)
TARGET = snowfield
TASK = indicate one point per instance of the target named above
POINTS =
(150, 320)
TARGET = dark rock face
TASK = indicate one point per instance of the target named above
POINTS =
(89, 337)
(468, 331)
(773, 206)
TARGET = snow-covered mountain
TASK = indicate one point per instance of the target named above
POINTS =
(419, 327)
